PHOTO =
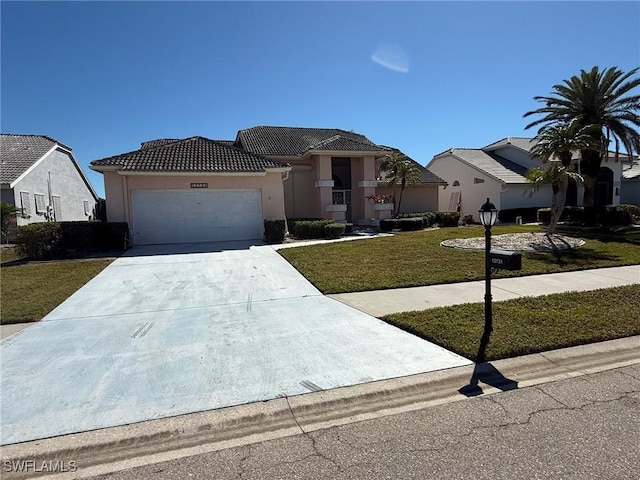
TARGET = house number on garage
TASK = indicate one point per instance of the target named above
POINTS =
(199, 185)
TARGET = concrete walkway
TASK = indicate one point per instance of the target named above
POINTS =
(385, 302)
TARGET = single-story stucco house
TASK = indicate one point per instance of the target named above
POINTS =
(498, 171)
(630, 184)
(197, 189)
(41, 177)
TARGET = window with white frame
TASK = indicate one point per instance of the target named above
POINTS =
(25, 204)
(57, 208)
(478, 180)
(41, 208)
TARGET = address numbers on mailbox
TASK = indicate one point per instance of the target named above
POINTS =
(505, 260)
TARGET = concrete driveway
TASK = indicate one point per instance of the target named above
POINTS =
(164, 331)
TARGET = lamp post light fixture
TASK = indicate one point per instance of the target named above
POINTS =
(488, 215)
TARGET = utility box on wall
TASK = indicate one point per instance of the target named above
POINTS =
(505, 259)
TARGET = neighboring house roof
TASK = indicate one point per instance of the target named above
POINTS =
(427, 177)
(194, 154)
(296, 141)
(18, 153)
(632, 172)
(489, 163)
(523, 143)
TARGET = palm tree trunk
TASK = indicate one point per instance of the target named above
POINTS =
(589, 168)
(557, 205)
(399, 203)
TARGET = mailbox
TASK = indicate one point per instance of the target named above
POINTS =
(505, 260)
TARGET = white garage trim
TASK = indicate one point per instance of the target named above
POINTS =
(188, 216)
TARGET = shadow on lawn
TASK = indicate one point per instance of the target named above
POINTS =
(574, 256)
(605, 235)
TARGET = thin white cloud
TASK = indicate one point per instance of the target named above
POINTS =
(392, 57)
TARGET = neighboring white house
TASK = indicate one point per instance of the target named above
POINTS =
(498, 171)
(42, 178)
(630, 185)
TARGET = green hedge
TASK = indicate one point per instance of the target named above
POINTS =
(428, 218)
(388, 224)
(409, 224)
(607, 216)
(403, 224)
(633, 210)
(311, 228)
(62, 239)
(274, 231)
(334, 230)
(447, 219)
(292, 222)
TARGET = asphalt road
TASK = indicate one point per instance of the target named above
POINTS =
(586, 427)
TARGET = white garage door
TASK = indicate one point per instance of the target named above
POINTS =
(187, 216)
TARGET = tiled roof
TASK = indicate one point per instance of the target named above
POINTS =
(195, 154)
(427, 177)
(632, 172)
(340, 143)
(523, 143)
(492, 164)
(295, 141)
(19, 152)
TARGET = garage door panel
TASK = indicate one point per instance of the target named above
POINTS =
(186, 216)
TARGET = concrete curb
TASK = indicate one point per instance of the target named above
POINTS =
(112, 449)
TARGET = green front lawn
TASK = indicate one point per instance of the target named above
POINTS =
(529, 325)
(410, 259)
(30, 291)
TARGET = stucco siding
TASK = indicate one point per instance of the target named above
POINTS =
(466, 182)
(630, 191)
(414, 199)
(517, 196)
(299, 191)
(65, 183)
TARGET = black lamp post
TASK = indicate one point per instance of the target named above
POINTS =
(488, 215)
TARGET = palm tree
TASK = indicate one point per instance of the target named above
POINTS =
(601, 101)
(398, 169)
(556, 175)
(558, 141)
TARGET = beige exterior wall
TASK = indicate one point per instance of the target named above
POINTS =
(414, 199)
(309, 188)
(473, 194)
(299, 191)
(118, 190)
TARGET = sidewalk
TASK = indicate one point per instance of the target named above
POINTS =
(384, 302)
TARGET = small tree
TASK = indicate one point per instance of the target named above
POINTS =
(398, 170)
(9, 211)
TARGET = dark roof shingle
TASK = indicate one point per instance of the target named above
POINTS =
(194, 154)
(295, 141)
(19, 152)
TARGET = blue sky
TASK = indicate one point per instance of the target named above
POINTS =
(102, 77)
